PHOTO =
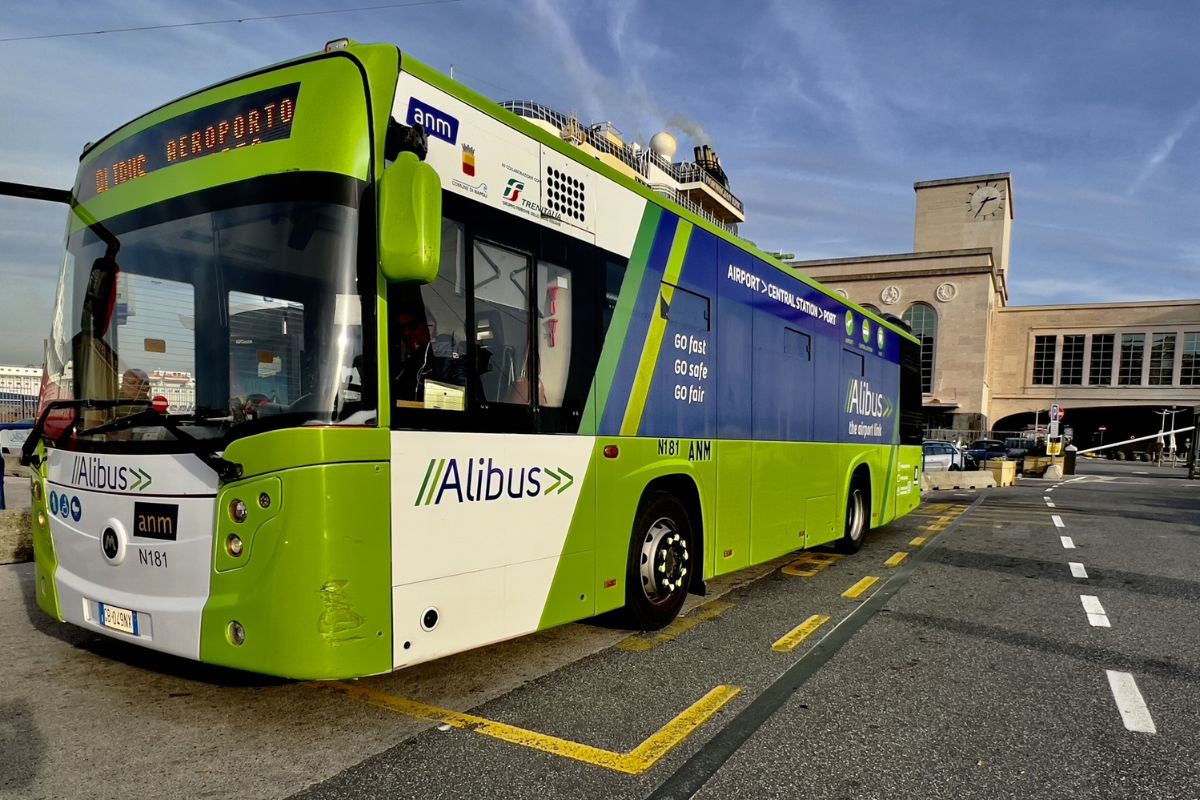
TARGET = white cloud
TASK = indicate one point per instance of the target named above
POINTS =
(1165, 147)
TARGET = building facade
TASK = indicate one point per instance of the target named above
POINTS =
(986, 365)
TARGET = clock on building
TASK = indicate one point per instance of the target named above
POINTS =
(986, 201)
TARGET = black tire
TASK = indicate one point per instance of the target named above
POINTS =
(661, 561)
(858, 518)
(954, 468)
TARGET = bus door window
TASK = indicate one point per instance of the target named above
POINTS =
(555, 332)
(429, 333)
(502, 323)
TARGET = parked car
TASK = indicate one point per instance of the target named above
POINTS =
(1018, 447)
(982, 450)
(945, 456)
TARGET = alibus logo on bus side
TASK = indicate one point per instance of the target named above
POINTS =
(480, 480)
(864, 402)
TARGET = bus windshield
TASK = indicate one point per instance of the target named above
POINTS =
(238, 307)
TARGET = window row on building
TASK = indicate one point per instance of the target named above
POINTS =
(1117, 359)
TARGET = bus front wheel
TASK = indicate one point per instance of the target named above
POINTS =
(661, 561)
(857, 515)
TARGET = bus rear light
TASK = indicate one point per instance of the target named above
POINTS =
(41, 519)
(236, 633)
(238, 511)
(37, 491)
(611, 451)
(233, 545)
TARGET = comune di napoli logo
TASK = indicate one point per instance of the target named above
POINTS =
(480, 480)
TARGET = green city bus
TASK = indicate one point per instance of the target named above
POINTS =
(452, 379)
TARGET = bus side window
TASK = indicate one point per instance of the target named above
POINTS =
(614, 274)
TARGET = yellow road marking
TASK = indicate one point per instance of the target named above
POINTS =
(635, 762)
(815, 562)
(639, 643)
(857, 589)
(920, 540)
(895, 560)
(790, 640)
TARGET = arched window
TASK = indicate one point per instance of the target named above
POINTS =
(923, 320)
(872, 309)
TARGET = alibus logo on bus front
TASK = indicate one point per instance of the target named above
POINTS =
(480, 480)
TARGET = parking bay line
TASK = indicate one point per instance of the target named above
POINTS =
(639, 643)
(792, 639)
(635, 762)
(813, 560)
(855, 591)
(1095, 611)
(1130, 703)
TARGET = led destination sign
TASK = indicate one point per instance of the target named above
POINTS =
(250, 119)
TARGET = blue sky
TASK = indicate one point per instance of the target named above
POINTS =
(824, 113)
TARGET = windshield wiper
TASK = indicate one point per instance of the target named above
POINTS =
(226, 470)
(29, 449)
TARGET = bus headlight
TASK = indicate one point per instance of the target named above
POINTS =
(238, 511)
(37, 491)
(233, 545)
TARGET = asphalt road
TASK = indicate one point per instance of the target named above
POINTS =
(972, 668)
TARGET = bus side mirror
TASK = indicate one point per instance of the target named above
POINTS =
(410, 221)
(100, 297)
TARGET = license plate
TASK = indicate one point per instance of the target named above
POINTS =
(119, 619)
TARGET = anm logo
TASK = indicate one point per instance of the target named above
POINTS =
(155, 520)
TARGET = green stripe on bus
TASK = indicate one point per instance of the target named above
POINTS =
(424, 483)
(619, 326)
(654, 336)
(438, 479)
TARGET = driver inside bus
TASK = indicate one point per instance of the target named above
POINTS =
(427, 356)
(135, 385)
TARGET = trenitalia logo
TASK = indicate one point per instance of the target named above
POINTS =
(479, 480)
(861, 400)
(92, 473)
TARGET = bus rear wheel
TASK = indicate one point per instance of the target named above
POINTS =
(857, 511)
(661, 561)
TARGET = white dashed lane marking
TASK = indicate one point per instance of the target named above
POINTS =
(1095, 611)
(1067, 543)
(1134, 712)
(1077, 570)
(1058, 523)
